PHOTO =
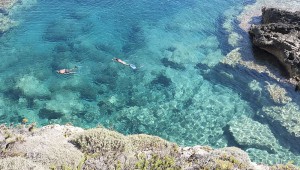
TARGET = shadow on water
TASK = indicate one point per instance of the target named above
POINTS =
(229, 137)
(167, 63)
(256, 100)
(161, 80)
(134, 39)
(230, 77)
(264, 58)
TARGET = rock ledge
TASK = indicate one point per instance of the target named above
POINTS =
(68, 147)
(279, 35)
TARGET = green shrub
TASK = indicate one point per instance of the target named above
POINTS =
(156, 162)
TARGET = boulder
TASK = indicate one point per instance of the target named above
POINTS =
(32, 87)
(279, 35)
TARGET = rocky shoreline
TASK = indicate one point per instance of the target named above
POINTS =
(279, 112)
(279, 35)
(69, 147)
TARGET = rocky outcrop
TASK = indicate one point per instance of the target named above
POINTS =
(46, 147)
(279, 35)
(68, 147)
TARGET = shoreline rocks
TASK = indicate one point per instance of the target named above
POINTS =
(100, 148)
(279, 35)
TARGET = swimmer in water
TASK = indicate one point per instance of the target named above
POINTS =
(67, 71)
(120, 61)
(124, 63)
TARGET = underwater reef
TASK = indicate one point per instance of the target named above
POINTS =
(68, 147)
(6, 5)
(5, 22)
(8, 9)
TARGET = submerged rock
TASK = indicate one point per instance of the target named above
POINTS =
(65, 102)
(6, 4)
(6, 24)
(32, 87)
(285, 120)
(288, 116)
(252, 134)
(278, 94)
(279, 35)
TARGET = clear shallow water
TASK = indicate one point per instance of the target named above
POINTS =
(179, 92)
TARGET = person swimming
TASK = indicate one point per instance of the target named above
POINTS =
(120, 61)
(67, 71)
(124, 63)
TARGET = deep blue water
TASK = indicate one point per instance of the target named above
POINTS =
(179, 91)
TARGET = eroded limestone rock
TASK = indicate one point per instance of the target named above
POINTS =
(279, 35)
(49, 147)
(19, 163)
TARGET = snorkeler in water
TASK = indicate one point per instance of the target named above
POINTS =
(120, 61)
(124, 63)
(67, 71)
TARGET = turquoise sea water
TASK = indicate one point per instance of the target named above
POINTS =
(179, 90)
